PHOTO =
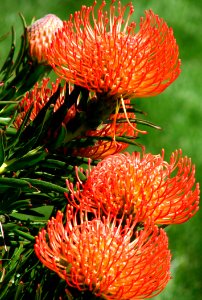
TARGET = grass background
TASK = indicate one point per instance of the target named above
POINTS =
(178, 111)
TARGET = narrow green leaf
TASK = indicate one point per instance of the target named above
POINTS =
(10, 131)
(145, 122)
(37, 126)
(37, 214)
(6, 68)
(19, 204)
(4, 120)
(28, 160)
(8, 102)
(8, 196)
(12, 263)
(34, 74)
(25, 235)
(23, 47)
(8, 93)
(38, 295)
(19, 183)
(10, 226)
(20, 130)
(62, 133)
(19, 291)
(128, 140)
(54, 164)
(45, 186)
(2, 143)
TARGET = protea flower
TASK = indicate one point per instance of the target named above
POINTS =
(99, 255)
(146, 185)
(117, 125)
(40, 35)
(102, 52)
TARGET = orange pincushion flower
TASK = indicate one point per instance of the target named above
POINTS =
(99, 256)
(128, 184)
(40, 35)
(41, 94)
(106, 55)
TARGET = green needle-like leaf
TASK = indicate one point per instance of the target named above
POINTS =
(2, 144)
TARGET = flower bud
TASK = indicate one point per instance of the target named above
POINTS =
(40, 35)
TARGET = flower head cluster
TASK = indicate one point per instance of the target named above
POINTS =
(110, 243)
(146, 185)
(103, 52)
(100, 256)
(40, 35)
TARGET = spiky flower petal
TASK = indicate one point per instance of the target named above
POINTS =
(102, 52)
(99, 255)
(128, 184)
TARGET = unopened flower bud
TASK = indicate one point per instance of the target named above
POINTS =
(40, 35)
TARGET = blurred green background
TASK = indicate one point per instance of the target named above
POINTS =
(178, 111)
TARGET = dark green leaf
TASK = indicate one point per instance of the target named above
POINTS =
(2, 145)
(37, 214)
(28, 160)
(19, 204)
(61, 135)
(33, 74)
(18, 183)
(20, 130)
(23, 234)
(9, 60)
(45, 186)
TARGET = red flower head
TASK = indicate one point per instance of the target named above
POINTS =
(40, 95)
(128, 184)
(99, 255)
(40, 35)
(102, 52)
